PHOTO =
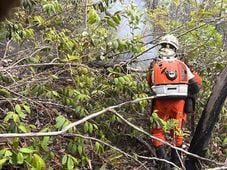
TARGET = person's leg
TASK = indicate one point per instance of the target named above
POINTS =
(160, 153)
(159, 133)
(156, 127)
(176, 156)
(159, 148)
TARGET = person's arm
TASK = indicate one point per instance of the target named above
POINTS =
(198, 79)
(193, 83)
(193, 86)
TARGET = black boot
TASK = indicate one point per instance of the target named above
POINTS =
(175, 157)
(160, 153)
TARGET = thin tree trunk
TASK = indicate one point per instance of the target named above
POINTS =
(207, 121)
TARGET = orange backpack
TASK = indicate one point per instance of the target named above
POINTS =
(169, 72)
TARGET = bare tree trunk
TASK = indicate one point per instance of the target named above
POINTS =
(207, 121)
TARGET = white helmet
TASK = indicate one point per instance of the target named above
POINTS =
(170, 39)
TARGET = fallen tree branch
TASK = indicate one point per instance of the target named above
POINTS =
(93, 115)
(56, 133)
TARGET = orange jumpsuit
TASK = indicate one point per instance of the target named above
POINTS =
(169, 108)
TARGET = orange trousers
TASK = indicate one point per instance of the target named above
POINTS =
(169, 109)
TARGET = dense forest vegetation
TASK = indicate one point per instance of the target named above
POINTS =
(62, 63)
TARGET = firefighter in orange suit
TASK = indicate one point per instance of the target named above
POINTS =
(170, 80)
